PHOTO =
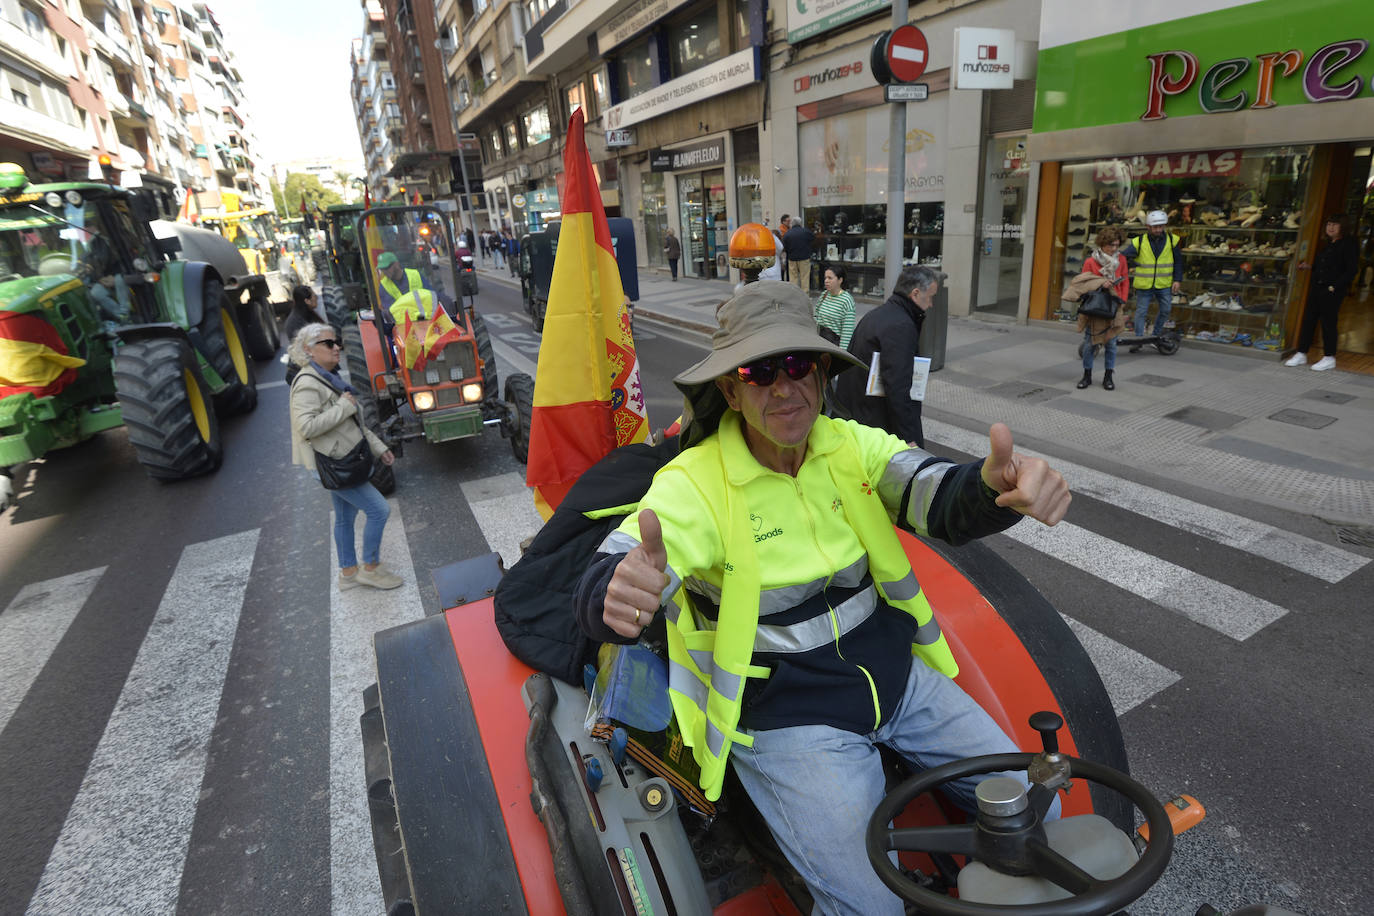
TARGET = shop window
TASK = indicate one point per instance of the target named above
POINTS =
(537, 125)
(694, 42)
(637, 69)
(748, 178)
(575, 97)
(1234, 221)
(653, 204)
(601, 90)
(999, 243)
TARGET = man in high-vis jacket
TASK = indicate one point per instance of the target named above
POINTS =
(1158, 272)
(403, 292)
(791, 612)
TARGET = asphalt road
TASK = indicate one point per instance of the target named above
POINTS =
(167, 667)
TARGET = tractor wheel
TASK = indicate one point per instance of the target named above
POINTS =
(491, 385)
(335, 306)
(167, 408)
(537, 311)
(224, 350)
(354, 357)
(520, 401)
(260, 330)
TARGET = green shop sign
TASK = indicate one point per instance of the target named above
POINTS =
(1256, 56)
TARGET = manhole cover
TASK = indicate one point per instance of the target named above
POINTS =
(1330, 397)
(1158, 381)
(1205, 417)
(1360, 537)
(1303, 418)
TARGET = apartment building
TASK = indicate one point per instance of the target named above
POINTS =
(149, 83)
(381, 130)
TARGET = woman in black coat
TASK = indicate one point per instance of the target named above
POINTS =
(303, 312)
(1333, 269)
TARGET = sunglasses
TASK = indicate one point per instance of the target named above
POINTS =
(764, 372)
(328, 342)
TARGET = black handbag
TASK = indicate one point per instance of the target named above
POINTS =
(351, 470)
(1099, 304)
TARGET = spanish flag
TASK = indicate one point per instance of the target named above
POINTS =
(441, 332)
(587, 396)
(33, 358)
(413, 344)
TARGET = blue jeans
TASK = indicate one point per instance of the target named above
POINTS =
(816, 786)
(1108, 360)
(347, 504)
(1164, 299)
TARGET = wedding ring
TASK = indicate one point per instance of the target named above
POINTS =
(636, 615)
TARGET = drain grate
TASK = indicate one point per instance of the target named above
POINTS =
(1360, 536)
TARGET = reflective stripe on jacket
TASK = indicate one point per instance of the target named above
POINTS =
(405, 304)
(763, 553)
(1152, 272)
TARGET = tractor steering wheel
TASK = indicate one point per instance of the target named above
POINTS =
(1091, 896)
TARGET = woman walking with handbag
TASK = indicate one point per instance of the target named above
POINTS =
(1106, 263)
(329, 440)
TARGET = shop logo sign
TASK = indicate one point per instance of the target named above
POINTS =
(1217, 90)
(987, 52)
(983, 58)
(1206, 164)
(810, 81)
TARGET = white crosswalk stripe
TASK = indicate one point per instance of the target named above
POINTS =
(1130, 678)
(31, 628)
(504, 510)
(125, 838)
(354, 616)
(1295, 551)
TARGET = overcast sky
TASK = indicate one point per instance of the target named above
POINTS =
(293, 57)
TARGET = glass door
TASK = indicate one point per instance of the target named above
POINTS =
(654, 217)
(717, 227)
(691, 205)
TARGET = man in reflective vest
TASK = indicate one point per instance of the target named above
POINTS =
(798, 635)
(1158, 272)
(402, 291)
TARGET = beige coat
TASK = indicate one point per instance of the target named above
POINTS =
(322, 421)
(1103, 329)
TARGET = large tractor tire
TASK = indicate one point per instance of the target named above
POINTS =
(335, 305)
(260, 331)
(167, 408)
(520, 400)
(225, 351)
(491, 385)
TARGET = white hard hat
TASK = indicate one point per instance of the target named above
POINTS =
(1157, 218)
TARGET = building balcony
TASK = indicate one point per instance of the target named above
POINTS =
(41, 130)
(33, 52)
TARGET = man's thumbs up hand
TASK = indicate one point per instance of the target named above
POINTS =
(636, 588)
(1028, 485)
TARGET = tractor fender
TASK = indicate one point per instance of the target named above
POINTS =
(131, 332)
(193, 290)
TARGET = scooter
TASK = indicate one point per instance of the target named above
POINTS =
(1166, 342)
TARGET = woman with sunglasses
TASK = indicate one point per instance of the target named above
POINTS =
(325, 419)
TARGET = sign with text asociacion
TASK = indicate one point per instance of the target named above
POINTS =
(812, 17)
(729, 73)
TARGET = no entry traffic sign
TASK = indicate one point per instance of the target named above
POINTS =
(907, 52)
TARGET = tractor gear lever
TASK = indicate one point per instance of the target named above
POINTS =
(1049, 768)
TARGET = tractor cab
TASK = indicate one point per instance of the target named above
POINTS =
(422, 360)
(345, 289)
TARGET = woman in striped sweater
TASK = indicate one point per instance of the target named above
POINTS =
(835, 308)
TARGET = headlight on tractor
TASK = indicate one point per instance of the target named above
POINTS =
(472, 392)
(423, 400)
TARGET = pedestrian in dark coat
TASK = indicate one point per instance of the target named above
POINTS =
(1333, 270)
(893, 330)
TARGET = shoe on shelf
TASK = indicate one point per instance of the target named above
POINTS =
(1323, 364)
(1297, 359)
(379, 578)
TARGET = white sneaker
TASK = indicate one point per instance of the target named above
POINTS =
(379, 578)
(1299, 359)
(1326, 362)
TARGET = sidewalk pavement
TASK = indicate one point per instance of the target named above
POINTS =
(1216, 417)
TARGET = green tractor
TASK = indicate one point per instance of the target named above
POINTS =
(100, 328)
(344, 292)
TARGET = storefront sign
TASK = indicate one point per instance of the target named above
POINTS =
(733, 72)
(636, 19)
(660, 160)
(543, 199)
(618, 138)
(983, 58)
(820, 77)
(698, 156)
(811, 17)
(518, 200)
(1219, 89)
(1235, 57)
(1206, 164)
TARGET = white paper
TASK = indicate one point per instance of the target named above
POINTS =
(874, 388)
(920, 374)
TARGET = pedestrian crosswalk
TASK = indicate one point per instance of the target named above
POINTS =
(126, 834)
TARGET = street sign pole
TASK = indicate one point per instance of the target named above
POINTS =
(896, 175)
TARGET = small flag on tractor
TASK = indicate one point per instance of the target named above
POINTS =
(413, 345)
(587, 395)
(33, 358)
(441, 332)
